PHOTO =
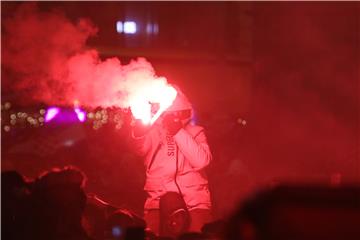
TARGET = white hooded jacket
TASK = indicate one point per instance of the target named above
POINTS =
(190, 151)
(182, 157)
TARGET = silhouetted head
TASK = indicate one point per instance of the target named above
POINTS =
(13, 185)
(174, 216)
(61, 200)
(15, 205)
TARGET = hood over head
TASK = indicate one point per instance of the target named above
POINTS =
(180, 103)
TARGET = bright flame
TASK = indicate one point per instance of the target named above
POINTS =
(159, 92)
(165, 98)
(141, 109)
(51, 113)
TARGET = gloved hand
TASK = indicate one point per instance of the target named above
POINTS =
(139, 129)
(172, 124)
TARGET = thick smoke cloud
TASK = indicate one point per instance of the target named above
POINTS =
(48, 61)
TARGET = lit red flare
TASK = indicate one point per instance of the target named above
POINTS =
(158, 92)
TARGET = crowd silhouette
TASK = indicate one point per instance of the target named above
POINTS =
(56, 206)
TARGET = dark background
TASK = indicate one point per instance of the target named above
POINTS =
(289, 69)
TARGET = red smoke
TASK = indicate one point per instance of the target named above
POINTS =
(49, 62)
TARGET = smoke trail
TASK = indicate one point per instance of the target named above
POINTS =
(49, 62)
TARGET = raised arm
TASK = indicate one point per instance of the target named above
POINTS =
(140, 139)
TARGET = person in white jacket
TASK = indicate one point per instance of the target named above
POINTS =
(176, 153)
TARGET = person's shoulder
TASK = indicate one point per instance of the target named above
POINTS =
(194, 129)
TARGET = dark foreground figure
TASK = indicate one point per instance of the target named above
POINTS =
(55, 206)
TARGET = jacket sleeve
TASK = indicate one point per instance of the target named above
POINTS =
(195, 148)
(140, 145)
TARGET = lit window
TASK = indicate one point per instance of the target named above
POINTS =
(119, 26)
(155, 28)
(149, 28)
(129, 27)
(152, 28)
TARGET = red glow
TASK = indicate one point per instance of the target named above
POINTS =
(154, 92)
